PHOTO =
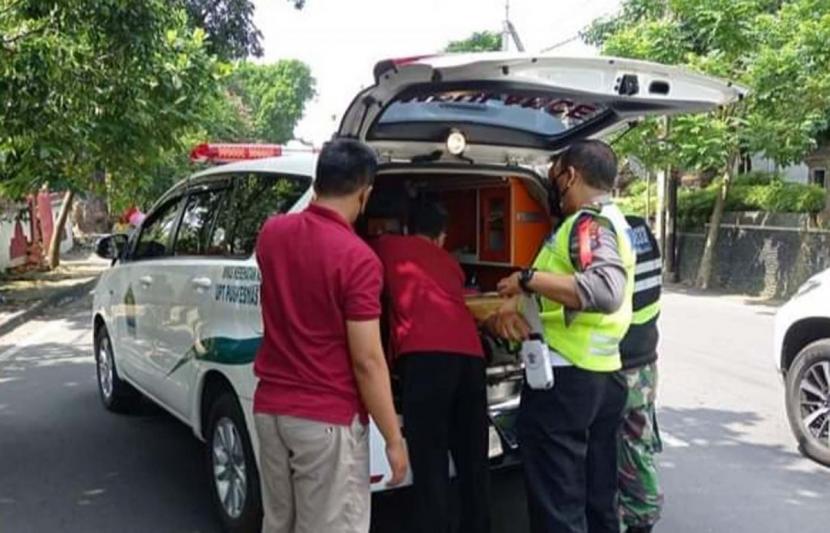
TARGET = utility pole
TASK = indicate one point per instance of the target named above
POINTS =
(670, 216)
(670, 250)
(660, 210)
(509, 33)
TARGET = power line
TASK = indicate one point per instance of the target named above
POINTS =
(561, 43)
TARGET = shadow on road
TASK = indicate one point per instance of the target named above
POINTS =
(69, 465)
(718, 477)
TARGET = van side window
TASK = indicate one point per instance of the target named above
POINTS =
(157, 232)
(198, 223)
(254, 197)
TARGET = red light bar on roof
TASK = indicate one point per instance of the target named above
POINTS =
(228, 153)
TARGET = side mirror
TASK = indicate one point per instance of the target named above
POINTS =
(111, 246)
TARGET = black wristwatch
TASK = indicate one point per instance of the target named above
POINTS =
(524, 278)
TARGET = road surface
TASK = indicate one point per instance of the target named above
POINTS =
(730, 464)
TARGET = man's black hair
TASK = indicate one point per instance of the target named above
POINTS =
(427, 218)
(344, 167)
(595, 160)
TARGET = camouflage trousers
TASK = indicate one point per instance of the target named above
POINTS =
(640, 497)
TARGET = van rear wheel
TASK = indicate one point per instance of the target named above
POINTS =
(232, 467)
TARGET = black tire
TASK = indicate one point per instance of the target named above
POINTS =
(120, 396)
(225, 409)
(807, 366)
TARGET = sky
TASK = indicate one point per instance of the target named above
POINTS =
(341, 40)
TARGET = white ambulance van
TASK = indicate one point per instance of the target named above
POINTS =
(177, 319)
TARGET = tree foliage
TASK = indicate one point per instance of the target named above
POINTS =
(92, 84)
(254, 103)
(778, 49)
(480, 41)
(229, 25)
(751, 192)
(126, 87)
(271, 97)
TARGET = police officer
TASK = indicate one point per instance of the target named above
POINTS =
(640, 497)
(583, 279)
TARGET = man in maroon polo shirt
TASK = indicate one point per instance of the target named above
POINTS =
(443, 373)
(321, 365)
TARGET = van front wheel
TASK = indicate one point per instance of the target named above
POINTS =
(232, 467)
(116, 394)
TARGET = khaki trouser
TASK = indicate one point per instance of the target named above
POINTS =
(315, 476)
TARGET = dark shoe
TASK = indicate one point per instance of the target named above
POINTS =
(639, 529)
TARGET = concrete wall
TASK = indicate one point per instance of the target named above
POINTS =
(759, 254)
(795, 173)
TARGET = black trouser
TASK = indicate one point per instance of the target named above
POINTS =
(568, 440)
(445, 411)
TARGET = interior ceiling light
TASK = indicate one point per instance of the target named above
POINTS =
(456, 142)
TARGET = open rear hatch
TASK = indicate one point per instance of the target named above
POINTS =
(515, 109)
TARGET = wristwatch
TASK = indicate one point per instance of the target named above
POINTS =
(524, 278)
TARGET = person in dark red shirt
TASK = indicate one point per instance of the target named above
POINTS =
(443, 372)
(321, 365)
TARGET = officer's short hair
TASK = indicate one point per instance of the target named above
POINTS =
(344, 167)
(428, 218)
(595, 160)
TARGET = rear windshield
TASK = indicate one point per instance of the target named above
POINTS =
(529, 111)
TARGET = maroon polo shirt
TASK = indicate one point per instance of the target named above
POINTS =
(316, 274)
(426, 291)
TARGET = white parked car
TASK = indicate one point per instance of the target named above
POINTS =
(177, 317)
(802, 355)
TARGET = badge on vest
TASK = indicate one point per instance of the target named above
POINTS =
(639, 240)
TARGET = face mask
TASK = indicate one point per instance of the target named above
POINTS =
(556, 197)
(554, 200)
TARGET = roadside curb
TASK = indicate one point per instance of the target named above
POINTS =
(69, 293)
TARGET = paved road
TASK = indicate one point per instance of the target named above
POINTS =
(729, 465)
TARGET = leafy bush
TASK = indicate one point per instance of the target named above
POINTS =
(755, 191)
(756, 177)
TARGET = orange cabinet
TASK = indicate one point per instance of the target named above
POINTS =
(497, 225)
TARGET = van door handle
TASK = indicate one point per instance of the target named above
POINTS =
(146, 280)
(201, 283)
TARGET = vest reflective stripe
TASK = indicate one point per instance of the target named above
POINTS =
(649, 312)
(648, 283)
(591, 340)
(648, 266)
(639, 346)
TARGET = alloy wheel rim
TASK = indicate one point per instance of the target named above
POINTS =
(814, 399)
(229, 474)
(105, 377)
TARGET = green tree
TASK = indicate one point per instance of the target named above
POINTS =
(777, 49)
(480, 41)
(255, 103)
(95, 84)
(273, 97)
(229, 24)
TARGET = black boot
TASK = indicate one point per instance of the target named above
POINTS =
(639, 529)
